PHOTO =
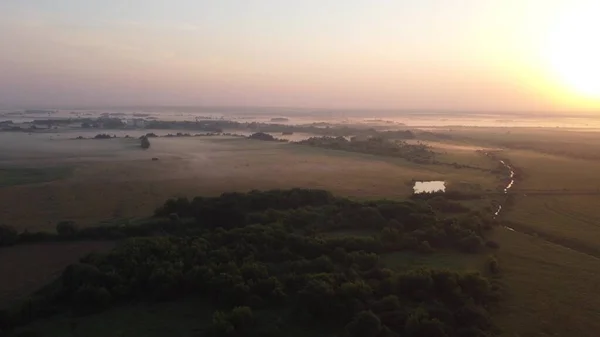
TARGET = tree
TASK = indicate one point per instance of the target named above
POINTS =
(233, 323)
(471, 243)
(145, 143)
(364, 324)
(419, 324)
(262, 136)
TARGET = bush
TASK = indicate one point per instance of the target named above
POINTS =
(233, 323)
(471, 244)
(145, 143)
(262, 136)
(492, 264)
(364, 324)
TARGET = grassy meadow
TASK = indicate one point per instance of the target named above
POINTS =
(550, 285)
(549, 276)
(115, 179)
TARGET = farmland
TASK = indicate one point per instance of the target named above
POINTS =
(547, 267)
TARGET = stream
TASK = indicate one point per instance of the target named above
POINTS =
(506, 189)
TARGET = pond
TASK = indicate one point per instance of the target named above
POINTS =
(429, 186)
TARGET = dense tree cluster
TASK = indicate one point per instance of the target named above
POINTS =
(262, 136)
(247, 253)
(103, 136)
(418, 153)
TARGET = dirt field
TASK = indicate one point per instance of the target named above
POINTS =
(27, 268)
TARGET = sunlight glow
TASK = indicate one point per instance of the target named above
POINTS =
(574, 51)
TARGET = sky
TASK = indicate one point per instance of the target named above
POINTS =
(488, 55)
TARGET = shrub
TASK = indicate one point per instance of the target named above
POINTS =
(365, 324)
(145, 143)
(492, 264)
(471, 244)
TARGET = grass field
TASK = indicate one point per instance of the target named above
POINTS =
(550, 287)
(122, 181)
(21, 175)
(550, 290)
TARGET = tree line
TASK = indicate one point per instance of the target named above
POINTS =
(256, 252)
(379, 145)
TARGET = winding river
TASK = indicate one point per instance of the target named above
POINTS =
(506, 189)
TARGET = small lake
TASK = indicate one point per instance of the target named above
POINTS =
(429, 186)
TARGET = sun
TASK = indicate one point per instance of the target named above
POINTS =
(574, 49)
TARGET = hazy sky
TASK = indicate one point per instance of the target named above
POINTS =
(418, 54)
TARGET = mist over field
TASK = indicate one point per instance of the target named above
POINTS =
(277, 168)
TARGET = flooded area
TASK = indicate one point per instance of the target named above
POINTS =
(429, 186)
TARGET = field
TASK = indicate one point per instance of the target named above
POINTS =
(551, 290)
(116, 179)
(549, 274)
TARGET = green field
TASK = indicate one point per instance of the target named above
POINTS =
(22, 175)
(123, 182)
(549, 278)
(550, 290)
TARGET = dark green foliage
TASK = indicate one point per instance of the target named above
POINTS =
(419, 153)
(492, 264)
(364, 324)
(264, 250)
(471, 243)
(262, 136)
(236, 322)
(8, 235)
(145, 143)
(443, 205)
